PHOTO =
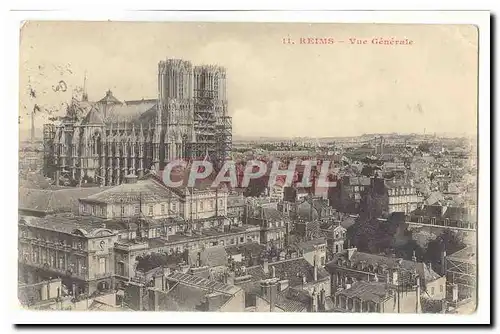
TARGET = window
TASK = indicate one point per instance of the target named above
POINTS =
(123, 211)
(432, 291)
(433, 220)
(93, 210)
(102, 265)
(137, 209)
(232, 241)
(163, 209)
(201, 206)
(242, 239)
(440, 288)
(150, 210)
(174, 207)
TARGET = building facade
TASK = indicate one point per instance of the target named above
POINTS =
(102, 142)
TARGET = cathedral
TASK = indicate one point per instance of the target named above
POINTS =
(102, 142)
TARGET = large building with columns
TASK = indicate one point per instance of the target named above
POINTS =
(102, 142)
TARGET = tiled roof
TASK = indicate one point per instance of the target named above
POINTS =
(147, 190)
(293, 300)
(366, 291)
(54, 201)
(203, 283)
(378, 260)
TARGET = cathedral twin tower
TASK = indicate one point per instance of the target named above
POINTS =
(102, 142)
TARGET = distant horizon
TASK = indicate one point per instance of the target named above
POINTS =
(24, 135)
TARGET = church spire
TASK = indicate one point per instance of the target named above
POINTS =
(84, 94)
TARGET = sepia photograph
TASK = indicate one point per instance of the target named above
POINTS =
(248, 167)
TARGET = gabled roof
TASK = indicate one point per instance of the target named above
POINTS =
(366, 291)
(293, 300)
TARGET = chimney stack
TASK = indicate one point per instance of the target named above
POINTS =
(273, 272)
(443, 262)
(350, 252)
(322, 299)
(198, 260)
(266, 266)
(417, 291)
(315, 272)
(455, 293)
(269, 291)
(230, 278)
(314, 301)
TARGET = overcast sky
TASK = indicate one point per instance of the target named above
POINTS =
(274, 89)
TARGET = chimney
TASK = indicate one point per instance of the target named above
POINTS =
(315, 271)
(444, 306)
(266, 266)
(269, 291)
(322, 299)
(304, 279)
(198, 259)
(414, 257)
(314, 301)
(417, 291)
(153, 295)
(273, 272)
(283, 284)
(455, 293)
(158, 281)
(395, 276)
(230, 278)
(443, 262)
(351, 251)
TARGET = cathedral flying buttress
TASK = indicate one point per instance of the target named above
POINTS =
(102, 142)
